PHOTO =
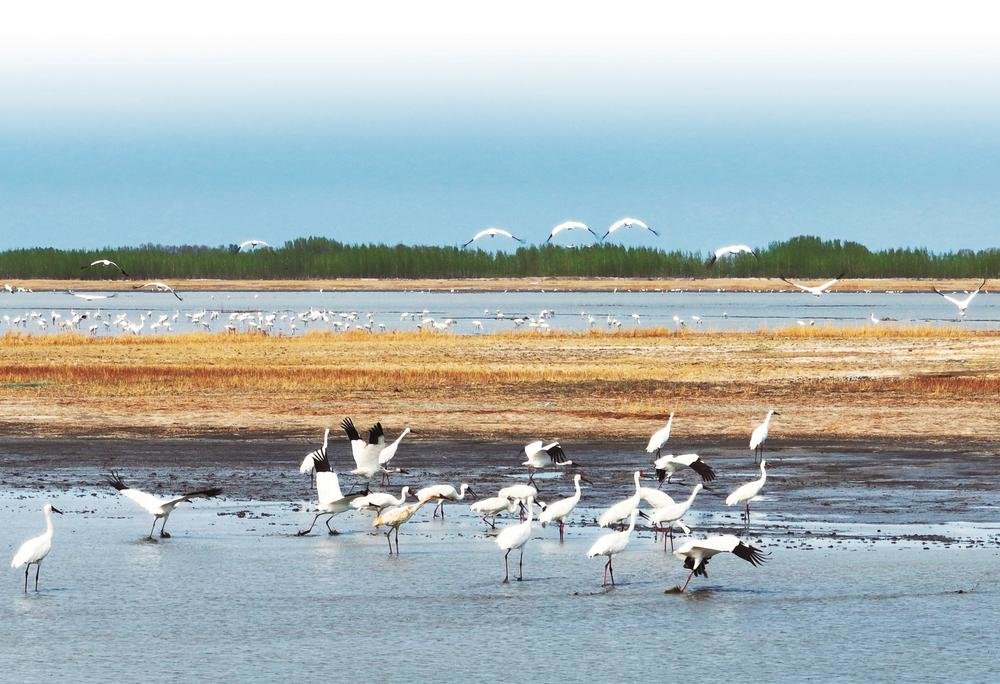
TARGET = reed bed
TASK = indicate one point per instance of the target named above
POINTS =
(893, 381)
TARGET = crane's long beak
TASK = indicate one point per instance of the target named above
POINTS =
(56, 510)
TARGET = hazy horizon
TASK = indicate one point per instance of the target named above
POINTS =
(715, 125)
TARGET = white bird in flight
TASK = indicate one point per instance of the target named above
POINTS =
(365, 452)
(667, 465)
(817, 290)
(729, 250)
(252, 244)
(105, 262)
(962, 304)
(492, 232)
(36, 549)
(330, 499)
(387, 454)
(159, 508)
(159, 287)
(540, 455)
(567, 226)
(628, 223)
(696, 554)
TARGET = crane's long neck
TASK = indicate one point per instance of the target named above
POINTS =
(637, 486)
(576, 483)
(763, 473)
(531, 510)
(48, 523)
(461, 492)
(399, 439)
(402, 496)
(631, 524)
(690, 499)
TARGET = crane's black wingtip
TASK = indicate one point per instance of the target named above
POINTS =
(115, 480)
(750, 554)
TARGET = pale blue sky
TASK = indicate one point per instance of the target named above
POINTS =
(362, 130)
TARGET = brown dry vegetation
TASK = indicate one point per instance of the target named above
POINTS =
(920, 385)
(513, 284)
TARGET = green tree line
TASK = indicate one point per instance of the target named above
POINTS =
(316, 257)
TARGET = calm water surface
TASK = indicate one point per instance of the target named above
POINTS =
(494, 310)
(240, 598)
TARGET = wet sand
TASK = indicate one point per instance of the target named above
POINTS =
(807, 482)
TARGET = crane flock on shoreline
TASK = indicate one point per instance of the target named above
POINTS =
(391, 512)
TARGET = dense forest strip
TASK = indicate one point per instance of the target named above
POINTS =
(318, 258)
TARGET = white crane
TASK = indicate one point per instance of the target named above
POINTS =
(962, 304)
(660, 437)
(744, 494)
(623, 509)
(394, 518)
(672, 514)
(36, 549)
(759, 435)
(558, 511)
(105, 262)
(628, 223)
(252, 244)
(159, 508)
(816, 290)
(667, 465)
(567, 226)
(515, 537)
(521, 493)
(159, 287)
(379, 501)
(696, 553)
(492, 232)
(612, 544)
(442, 493)
(388, 452)
(540, 455)
(365, 452)
(308, 466)
(729, 250)
(331, 501)
(490, 507)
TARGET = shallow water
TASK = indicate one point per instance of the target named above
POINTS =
(738, 311)
(865, 586)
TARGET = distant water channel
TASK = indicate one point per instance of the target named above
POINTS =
(291, 313)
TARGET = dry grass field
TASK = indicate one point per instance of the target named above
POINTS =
(916, 385)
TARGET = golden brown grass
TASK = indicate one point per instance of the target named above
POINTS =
(872, 381)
